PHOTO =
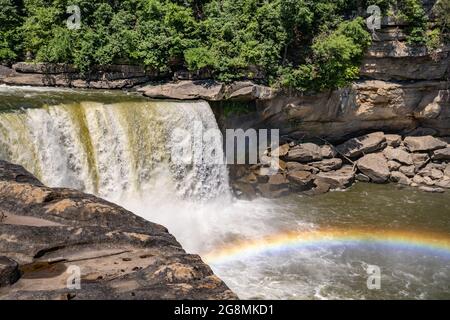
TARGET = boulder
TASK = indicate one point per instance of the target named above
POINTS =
(398, 155)
(248, 91)
(447, 171)
(365, 144)
(320, 187)
(420, 160)
(327, 164)
(281, 151)
(400, 178)
(409, 171)
(9, 271)
(394, 165)
(424, 144)
(277, 181)
(121, 255)
(436, 174)
(305, 152)
(301, 180)
(244, 190)
(393, 140)
(186, 90)
(375, 166)
(339, 179)
(441, 154)
(444, 183)
(295, 166)
(362, 177)
(268, 191)
(418, 179)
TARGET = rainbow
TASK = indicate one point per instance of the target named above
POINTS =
(434, 242)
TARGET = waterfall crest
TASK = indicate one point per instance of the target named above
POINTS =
(115, 150)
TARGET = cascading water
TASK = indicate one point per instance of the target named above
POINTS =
(120, 147)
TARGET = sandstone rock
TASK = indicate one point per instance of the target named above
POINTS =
(362, 177)
(305, 152)
(374, 166)
(393, 140)
(328, 151)
(362, 145)
(428, 181)
(431, 189)
(295, 166)
(121, 255)
(431, 169)
(400, 178)
(420, 160)
(327, 164)
(447, 171)
(398, 155)
(301, 180)
(436, 174)
(425, 143)
(281, 151)
(186, 90)
(444, 183)
(409, 171)
(394, 165)
(321, 187)
(442, 154)
(278, 181)
(9, 271)
(248, 91)
(339, 179)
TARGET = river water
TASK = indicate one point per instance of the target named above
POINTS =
(369, 242)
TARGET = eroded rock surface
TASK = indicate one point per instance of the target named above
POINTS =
(49, 232)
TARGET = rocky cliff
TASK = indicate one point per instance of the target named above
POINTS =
(47, 234)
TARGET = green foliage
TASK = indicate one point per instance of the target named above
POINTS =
(303, 44)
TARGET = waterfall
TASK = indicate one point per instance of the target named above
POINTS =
(115, 149)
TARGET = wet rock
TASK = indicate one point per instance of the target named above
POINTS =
(365, 144)
(305, 152)
(394, 165)
(301, 180)
(327, 164)
(278, 181)
(409, 171)
(436, 174)
(432, 169)
(374, 166)
(442, 154)
(425, 143)
(393, 140)
(362, 177)
(281, 151)
(431, 189)
(244, 191)
(48, 230)
(400, 178)
(339, 179)
(321, 187)
(398, 155)
(428, 181)
(444, 183)
(9, 271)
(418, 179)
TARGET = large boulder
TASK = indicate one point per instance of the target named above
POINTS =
(398, 155)
(425, 143)
(305, 152)
(301, 180)
(339, 179)
(400, 178)
(365, 144)
(327, 164)
(442, 154)
(119, 255)
(375, 166)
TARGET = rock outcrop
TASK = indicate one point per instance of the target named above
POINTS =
(48, 235)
